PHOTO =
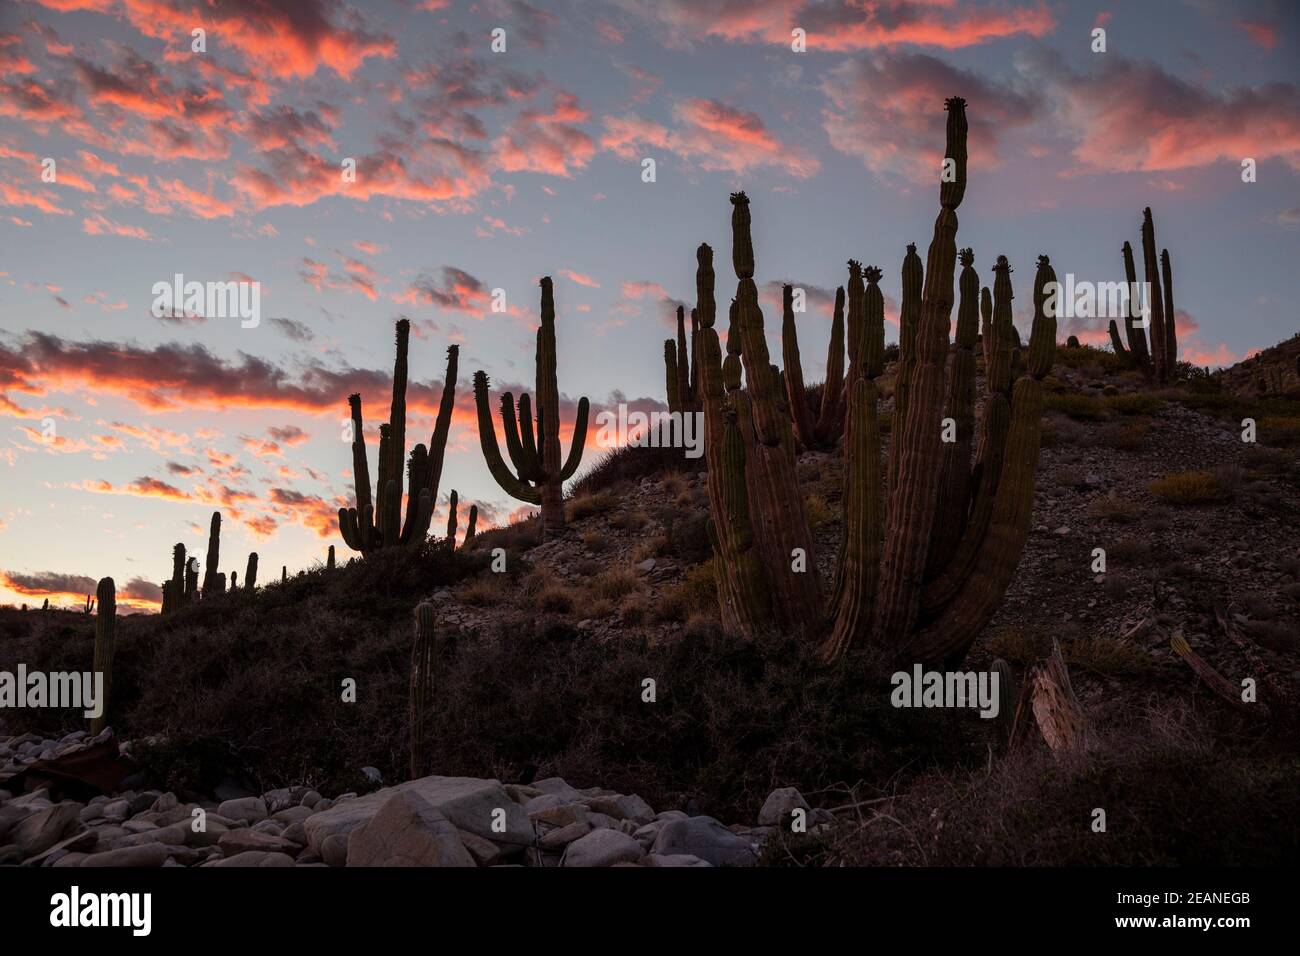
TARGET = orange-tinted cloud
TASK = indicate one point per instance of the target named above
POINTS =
(547, 142)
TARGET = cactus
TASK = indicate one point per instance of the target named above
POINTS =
(1007, 697)
(918, 579)
(378, 522)
(1072, 342)
(90, 606)
(105, 640)
(234, 580)
(538, 475)
(681, 365)
(329, 559)
(421, 697)
(213, 583)
(191, 581)
(284, 574)
(250, 573)
(824, 433)
(1157, 358)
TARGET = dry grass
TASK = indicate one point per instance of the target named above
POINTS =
(818, 511)
(628, 520)
(613, 585)
(1137, 403)
(590, 505)
(1081, 408)
(1190, 488)
(595, 542)
(1115, 509)
(1122, 437)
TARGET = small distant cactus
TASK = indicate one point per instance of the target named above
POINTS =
(250, 573)
(1153, 350)
(90, 605)
(329, 559)
(105, 642)
(213, 582)
(453, 505)
(538, 475)
(421, 697)
(680, 365)
(1072, 342)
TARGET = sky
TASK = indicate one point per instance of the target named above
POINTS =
(481, 169)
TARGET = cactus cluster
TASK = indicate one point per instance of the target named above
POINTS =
(933, 534)
(376, 523)
(1157, 356)
(183, 586)
(538, 475)
(681, 365)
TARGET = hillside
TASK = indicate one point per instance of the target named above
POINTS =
(539, 670)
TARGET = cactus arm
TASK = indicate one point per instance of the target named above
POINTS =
(105, 645)
(955, 478)
(442, 425)
(348, 530)
(417, 478)
(378, 533)
(397, 416)
(525, 463)
(693, 383)
(453, 503)
(1159, 349)
(908, 318)
(683, 360)
(1117, 345)
(529, 467)
(1137, 335)
(796, 394)
(210, 585)
(860, 556)
(670, 370)
(492, 454)
(830, 417)
(913, 497)
(579, 440)
(1171, 332)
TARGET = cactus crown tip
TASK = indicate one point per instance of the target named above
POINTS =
(911, 248)
(739, 199)
(544, 281)
(1044, 261)
(873, 274)
(480, 379)
(855, 267)
(967, 256)
(954, 102)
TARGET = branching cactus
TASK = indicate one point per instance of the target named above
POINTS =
(379, 523)
(1158, 358)
(536, 474)
(680, 365)
(823, 432)
(105, 644)
(917, 591)
(421, 698)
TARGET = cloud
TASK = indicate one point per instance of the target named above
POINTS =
(715, 136)
(452, 289)
(1260, 33)
(843, 26)
(579, 278)
(1130, 115)
(546, 142)
(292, 329)
(887, 110)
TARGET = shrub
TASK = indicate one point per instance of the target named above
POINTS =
(1122, 437)
(1283, 431)
(1137, 403)
(1189, 488)
(1079, 407)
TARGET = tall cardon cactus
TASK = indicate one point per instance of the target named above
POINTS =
(933, 533)
(536, 474)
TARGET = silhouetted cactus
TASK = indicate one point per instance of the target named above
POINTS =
(378, 523)
(105, 643)
(538, 475)
(680, 365)
(421, 696)
(89, 606)
(1007, 698)
(453, 504)
(1157, 358)
(213, 582)
(329, 559)
(1072, 342)
(824, 432)
(893, 552)
(250, 573)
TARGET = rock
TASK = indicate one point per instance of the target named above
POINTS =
(144, 855)
(248, 809)
(232, 789)
(270, 827)
(372, 774)
(117, 810)
(484, 852)
(254, 858)
(10, 855)
(40, 831)
(622, 807)
(645, 566)
(143, 802)
(779, 806)
(138, 826)
(603, 848)
(334, 850)
(277, 800)
(292, 815)
(83, 840)
(407, 831)
(310, 799)
(706, 838)
(675, 859)
(557, 786)
(561, 816)
(164, 803)
(295, 833)
(561, 837)
(234, 842)
(546, 801)
(467, 803)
